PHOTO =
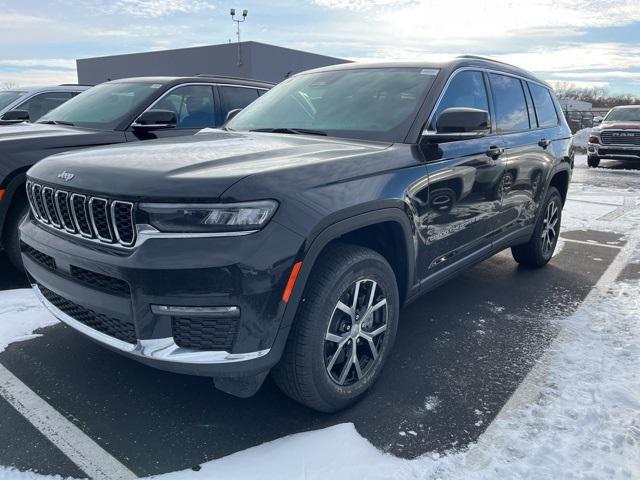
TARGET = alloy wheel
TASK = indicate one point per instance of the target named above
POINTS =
(356, 332)
(550, 228)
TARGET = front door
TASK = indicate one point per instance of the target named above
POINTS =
(462, 211)
(194, 107)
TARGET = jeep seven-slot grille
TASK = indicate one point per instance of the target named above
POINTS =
(620, 137)
(113, 327)
(100, 219)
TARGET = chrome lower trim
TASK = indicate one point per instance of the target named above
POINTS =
(162, 349)
(211, 312)
(616, 147)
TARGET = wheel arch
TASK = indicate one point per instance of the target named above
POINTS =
(560, 180)
(387, 231)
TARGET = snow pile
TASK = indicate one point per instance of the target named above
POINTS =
(581, 138)
(20, 314)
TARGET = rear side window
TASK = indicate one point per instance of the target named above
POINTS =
(511, 108)
(466, 89)
(237, 97)
(41, 104)
(543, 103)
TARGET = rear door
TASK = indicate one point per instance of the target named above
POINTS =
(462, 211)
(528, 147)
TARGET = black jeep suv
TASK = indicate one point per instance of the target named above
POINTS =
(288, 241)
(115, 112)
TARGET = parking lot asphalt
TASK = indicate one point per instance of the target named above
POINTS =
(460, 353)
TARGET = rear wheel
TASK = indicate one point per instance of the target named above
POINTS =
(343, 332)
(593, 162)
(539, 249)
(11, 235)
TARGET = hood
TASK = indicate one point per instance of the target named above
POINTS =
(25, 131)
(199, 167)
(618, 126)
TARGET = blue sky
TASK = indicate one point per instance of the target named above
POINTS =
(571, 41)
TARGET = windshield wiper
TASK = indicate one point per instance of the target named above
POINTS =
(57, 122)
(292, 131)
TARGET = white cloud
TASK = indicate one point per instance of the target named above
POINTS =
(27, 78)
(63, 63)
(578, 83)
(617, 74)
(154, 8)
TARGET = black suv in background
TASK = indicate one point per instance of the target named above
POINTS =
(289, 240)
(115, 112)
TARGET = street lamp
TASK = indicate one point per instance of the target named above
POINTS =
(238, 22)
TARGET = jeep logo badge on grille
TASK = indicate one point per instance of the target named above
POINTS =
(66, 176)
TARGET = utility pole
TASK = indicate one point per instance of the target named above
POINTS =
(238, 22)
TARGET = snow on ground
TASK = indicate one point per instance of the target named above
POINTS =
(581, 421)
(20, 314)
(581, 138)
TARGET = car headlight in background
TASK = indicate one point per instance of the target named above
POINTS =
(203, 218)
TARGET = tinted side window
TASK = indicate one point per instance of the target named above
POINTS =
(466, 89)
(192, 104)
(545, 110)
(41, 104)
(511, 108)
(236, 97)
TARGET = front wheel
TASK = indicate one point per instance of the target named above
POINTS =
(343, 332)
(593, 162)
(539, 249)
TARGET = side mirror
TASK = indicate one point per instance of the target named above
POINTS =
(15, 116)
(231, 114)
(464, 122)
(156, 119)
(597, 120)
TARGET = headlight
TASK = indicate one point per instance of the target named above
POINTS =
(203, 218)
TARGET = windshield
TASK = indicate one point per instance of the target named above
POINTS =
(7, 98)
(103, 107)
(624, 115)
(368, 104)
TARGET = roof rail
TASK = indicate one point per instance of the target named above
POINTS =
(75, 85)
(211, 75)
(480, 57)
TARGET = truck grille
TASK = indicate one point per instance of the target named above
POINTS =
(621, 137)
(106, 221)
(114, 327)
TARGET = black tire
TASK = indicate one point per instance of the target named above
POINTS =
(593, 162)
(11, 235)
(539, 249)
(305, 373)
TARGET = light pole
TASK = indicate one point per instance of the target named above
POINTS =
(238, 22)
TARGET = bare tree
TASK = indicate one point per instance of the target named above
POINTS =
(599, 97)
(8, 85)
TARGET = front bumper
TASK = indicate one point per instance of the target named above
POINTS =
(614, 152)
(250, 273)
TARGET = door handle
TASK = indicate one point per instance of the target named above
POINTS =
(494, 152)
(544, 143)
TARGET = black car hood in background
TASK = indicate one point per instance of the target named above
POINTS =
(39, 130)
(23, 145)
(199, 167)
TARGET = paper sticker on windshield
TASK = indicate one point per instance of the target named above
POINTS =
(156, 85)
(429, 71)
